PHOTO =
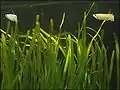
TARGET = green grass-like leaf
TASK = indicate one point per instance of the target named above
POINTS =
(42, 60)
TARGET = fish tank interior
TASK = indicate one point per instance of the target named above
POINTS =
(26, 11)
(68, 48)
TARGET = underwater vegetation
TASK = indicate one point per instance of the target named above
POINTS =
(42, 60)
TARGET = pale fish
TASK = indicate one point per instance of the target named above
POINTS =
(107, 17)
(11, 17)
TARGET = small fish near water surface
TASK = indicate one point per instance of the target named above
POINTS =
(107, 17)
(11, 17)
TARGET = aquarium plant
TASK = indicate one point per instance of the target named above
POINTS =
(42, 60)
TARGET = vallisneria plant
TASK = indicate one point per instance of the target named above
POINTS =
(44, 60)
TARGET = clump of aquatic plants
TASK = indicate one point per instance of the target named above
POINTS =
(44, 60)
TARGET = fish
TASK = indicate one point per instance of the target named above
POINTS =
(107, 17)
(11, 17)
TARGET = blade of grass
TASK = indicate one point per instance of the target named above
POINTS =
(111, 68)
(118, 62)
(89, 47)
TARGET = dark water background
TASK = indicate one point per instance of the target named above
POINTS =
(27, 11)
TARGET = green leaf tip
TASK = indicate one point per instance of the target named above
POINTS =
(37, 17)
